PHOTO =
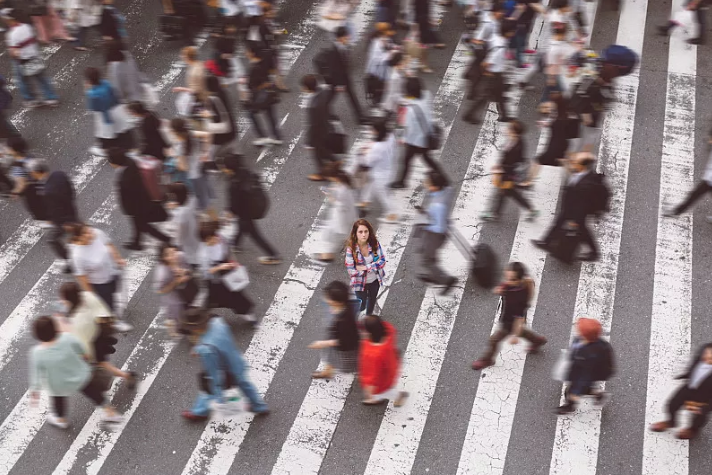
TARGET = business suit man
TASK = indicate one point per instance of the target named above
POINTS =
(318, 113)
(338, 76)
(59, 201)
(575, 206)
(695, 395)
(135, 200)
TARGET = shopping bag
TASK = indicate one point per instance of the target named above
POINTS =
(562, 367)
(237, 279)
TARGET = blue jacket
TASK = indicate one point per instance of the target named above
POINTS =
(101, 98)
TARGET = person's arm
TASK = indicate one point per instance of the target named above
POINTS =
(379, 263)
(351, 264)
(115, 255)
(84, 283)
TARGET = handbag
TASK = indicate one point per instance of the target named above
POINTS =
(560, 372)
(32, 66)
(433, 131)
(236, 279)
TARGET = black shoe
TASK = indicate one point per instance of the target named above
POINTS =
(450, 283)
(589, 257)
(567, 408)
(541, 244)
(397, 185)
(133, 246)
(695, 41)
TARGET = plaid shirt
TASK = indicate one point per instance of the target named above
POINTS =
(358, 278)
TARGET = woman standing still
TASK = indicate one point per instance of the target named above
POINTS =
(365, 261)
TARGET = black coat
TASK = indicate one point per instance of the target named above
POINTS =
(338, 67)
(133, 196)
(59, 199)
(703, 393)
(576, 200)
(153, 140)
(109, 25)
(318, 113)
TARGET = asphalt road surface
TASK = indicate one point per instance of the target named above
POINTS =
(650, 288)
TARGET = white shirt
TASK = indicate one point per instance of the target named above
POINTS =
(19, 35)
(381, 157)
(93, 260)
(496, 55)
(488, 28)
(699, 374)
(558, 54)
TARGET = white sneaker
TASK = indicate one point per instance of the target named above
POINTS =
(261, 142)
(276, 141)
(116, 418)
(96, 150)
(56, 421)
(44, 224)
(122, 326)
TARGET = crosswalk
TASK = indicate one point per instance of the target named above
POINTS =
(456, 421)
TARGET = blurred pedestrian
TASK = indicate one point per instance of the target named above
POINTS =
(185, 222)
(365, 263)
(318, 116)
(111, 122)
(377, 167)
(152, 141)
(263, 95)
(189, 157)
(342, 212)
(339, 75)
(379, 363)
(170, 279)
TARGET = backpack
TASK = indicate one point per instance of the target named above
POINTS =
(254, 194)
(151, 170)
(321, 63)
(5, 96)
(601, 195)
(624, 58)
(607, 367)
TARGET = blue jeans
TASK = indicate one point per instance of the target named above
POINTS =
(23, 84)
(517, 44)
(201, 406)
(203, 191)
(82, 36)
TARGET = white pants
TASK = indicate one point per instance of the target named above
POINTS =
(381, 191)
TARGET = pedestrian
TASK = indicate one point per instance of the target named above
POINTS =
(240, 205)
(480, 44)
(112, 126)
(87, 318)
(379, 363)
(378, 164)
(591, 360)
(171, 276)
(318, 116)
(695, 396)
(217, 267)
(507, 174)
(135, 200)
(493, 67)
(218, 123)
(123, 73)
(380, 50)
(418, 127)
(365, 263)
(27, 62)
(394, 86)
(262, 96)
(434, 233)
(23, 184)
(342, 212)
(187, 152)
(223, 366)
(428, 36)
(338, 66)
(265, 41)
(342, 338)
(516, 292)
(185, 222)
(59, 202)
(152, 142)
(525, 12)
(195, 75)
(416, 52)
(112, 24)
(703, 187)
(58, 365)
(563, 128)
(698, 9)
(85, 15)
(575, 206)
(47, 22)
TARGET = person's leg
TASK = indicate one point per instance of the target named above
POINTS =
(273, 122)
(699, 420)
(320, 158)
(57, 25)
(675, 404)
(587, 237)
(499, 201)
(150, 229)
(137, 230)
(59, 405)
(354, 101)
(410, 152)
(433, 242)
(256, 123)
(239, 371)
(45, 86)
(425, 153)
(702, 25)
(80, 39)
(250, 227)
(201, 406)
(519, 198)
(55, 242)
(534, 338)
(25, 90)
(201, 194)
(371, 296)
(241, 303)
(38, 22)
(493, 345)
(106, 293)
(554, 229)
(362, 295)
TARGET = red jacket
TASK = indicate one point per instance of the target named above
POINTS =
(378, 363)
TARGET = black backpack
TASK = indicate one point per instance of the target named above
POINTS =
(253, 191)
(601, 195)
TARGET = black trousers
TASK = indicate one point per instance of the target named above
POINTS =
(248, 227)
(368, 296)
(492, 90)
(349, 90)
(511, 193)
(410, 152)
(678, 401)
(697, 192)
(140, 226)
(584, 232)
(322, 157)
(55, 241)
(91, 390)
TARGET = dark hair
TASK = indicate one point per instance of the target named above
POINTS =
(341, 32)
(507, 26)
(352, 241)
(381, 127)
(44, 329)
(17, 144)
(413, 87)
(70, 292)
(137, 107)
(518, 269)
(517, 126)
(179, 192)
(75, 230)
(92, 75)
(309, 82)
(207, 230)
(180, 127)
(375, 328)
(396, 59)
(117, 156)
(114, 51)
(337, 291)
(333, 170)
(162, 251)
(437, 179)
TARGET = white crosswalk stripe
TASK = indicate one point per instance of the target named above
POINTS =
(311, 425)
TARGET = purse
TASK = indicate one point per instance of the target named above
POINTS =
(236, 279)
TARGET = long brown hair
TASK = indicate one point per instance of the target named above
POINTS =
(353, 239)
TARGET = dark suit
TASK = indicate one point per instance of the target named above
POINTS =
(153, 140)
(700, 394)
(61, 208)
(511, 158)
(575, 207)
(339, 75)
(318, 113)
(239, 206)
(136, 202)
